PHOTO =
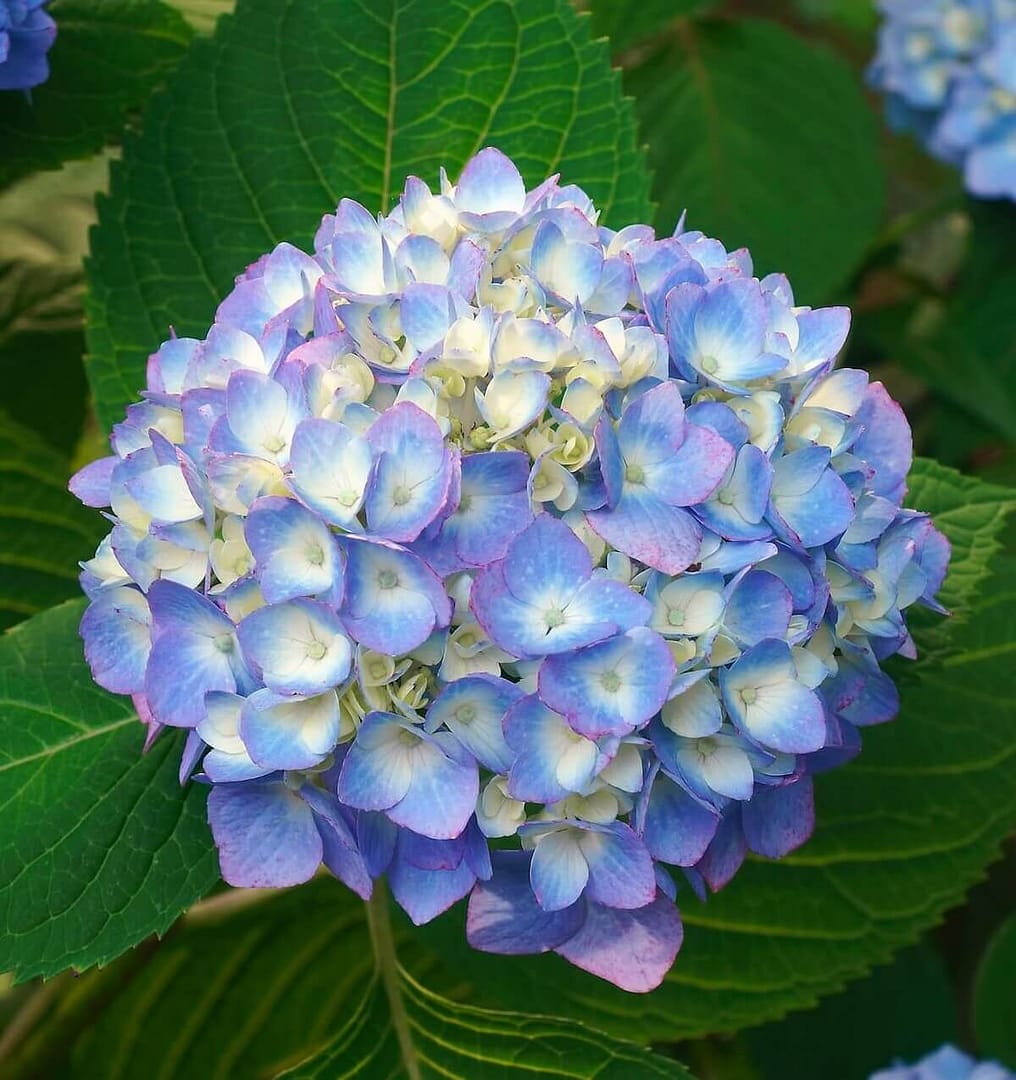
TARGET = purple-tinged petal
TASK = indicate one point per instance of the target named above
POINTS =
(632, 949)
(265, 834)
(677, 829)
(776, 820)
(726, 852)
(504, 916)
(490, 183)
(90, 485)
(116, 629)
(643, 526)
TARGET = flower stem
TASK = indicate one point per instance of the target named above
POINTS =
(380, 924)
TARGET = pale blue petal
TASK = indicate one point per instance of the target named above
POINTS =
(265, 834)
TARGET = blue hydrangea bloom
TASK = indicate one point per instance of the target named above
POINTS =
(946, 1063)
(510, 557)
(26, 35)
(948, 69)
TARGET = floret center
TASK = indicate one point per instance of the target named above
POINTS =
(387, 579)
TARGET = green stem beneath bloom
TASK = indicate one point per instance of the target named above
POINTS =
(380, 924)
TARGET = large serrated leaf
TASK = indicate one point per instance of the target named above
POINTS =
(99, 847)
(107, 58)
(252, 983)
(901, 833)
(767, 141)
(44, 530)
(292, 106)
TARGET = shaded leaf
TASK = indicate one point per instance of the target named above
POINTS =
(44, 530)
(970, 355)
(767, 141)
(291, 106)
(627, 22)
(100, 848)
(107, 58)
(252, 982)
(994, 1001)
(901, 1011)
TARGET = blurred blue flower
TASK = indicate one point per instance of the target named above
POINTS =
(946, 1063)
(26, 35)
(948, 68)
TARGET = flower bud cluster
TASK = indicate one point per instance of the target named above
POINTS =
(508, 555)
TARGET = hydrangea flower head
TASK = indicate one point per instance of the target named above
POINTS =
(26, 34)
(506, 555)
(946, 1063)
(948, 68)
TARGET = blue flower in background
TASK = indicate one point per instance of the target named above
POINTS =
(946, 1063)
(948, 68)
(510, 557)
(26, 35)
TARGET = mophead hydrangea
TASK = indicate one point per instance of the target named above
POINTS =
(26, 34)
(509, 555)
(948, 68)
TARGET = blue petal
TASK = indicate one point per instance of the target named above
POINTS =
(558, 871)
(645, 527)
(286, 733)
(778, 819)
(620, 868)
(610, 688)
(414, 472)
(767, 703)
(378, 768)
(295, 552)
(472, 708)
(552, 761)
(117, 635)
(504, 916)
(265, 834)
(425, 894)
(393, 599)
(677, 829)
(298, 647)
(759, 607)
(330, 466)
(442, 793)
(490, 183)
(341, 853)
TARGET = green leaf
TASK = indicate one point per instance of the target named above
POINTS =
(902, 1011)
(107, 58)
(100, 848)
(627, 22)
(969, 357)
(44, 530)
(291, 106)
(767, 141)
(901, 833)
(994, 1002)
(44, 224)
(252, 982)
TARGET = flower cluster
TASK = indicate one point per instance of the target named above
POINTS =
(508, 555)
(949, 70)
(26, 34)
(946, 1063)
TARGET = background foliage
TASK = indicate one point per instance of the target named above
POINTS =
(226, 138)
